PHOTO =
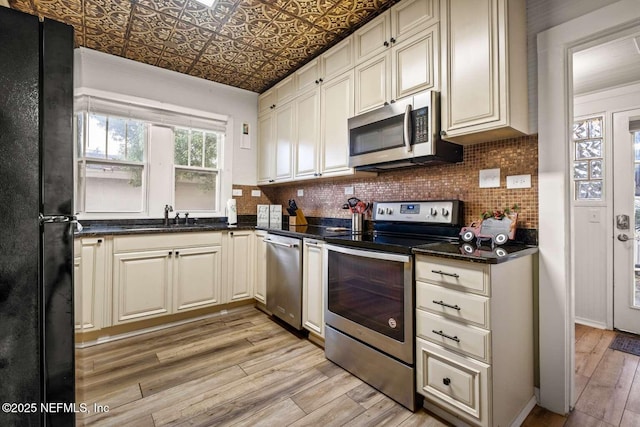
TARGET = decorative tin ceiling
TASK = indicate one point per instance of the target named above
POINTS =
(250, 44)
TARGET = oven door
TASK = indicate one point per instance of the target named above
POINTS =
(370, 297)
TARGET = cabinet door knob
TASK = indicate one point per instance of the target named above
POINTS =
(321, 80)
(386, 44)
(393, 101)
(231, 233)
(170, 253)
(393, 40)
(443, 133)
(177, 253)
(99, 241)
(446, 381)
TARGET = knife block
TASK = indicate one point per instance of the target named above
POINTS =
(299, 219)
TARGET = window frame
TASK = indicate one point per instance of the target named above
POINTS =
(84, 160)
(161, 118)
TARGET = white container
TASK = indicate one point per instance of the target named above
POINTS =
(232, 213)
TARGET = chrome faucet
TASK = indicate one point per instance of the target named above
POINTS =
(167, 209)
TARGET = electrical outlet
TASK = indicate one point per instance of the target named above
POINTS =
(300, 192)
(256, 193)
(348, 191)
(519, 181)
(236, 192)
(490, 178)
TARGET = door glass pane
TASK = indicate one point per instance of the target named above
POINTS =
(368, 291)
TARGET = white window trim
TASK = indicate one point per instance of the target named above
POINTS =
(174, 115)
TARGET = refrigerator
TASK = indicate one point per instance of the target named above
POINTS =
(36, 217)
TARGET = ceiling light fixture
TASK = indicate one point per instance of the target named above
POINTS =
(208, 3)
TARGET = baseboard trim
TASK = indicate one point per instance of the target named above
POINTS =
(119, 332)
(591, 323)
(525, 412)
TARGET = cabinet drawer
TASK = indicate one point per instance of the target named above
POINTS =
(453, 382)
(453, 304)
(166, 241)
(465, 339)
(460, 275)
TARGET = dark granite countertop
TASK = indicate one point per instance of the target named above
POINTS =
(319, 232)
(96, 230)
(473, 253)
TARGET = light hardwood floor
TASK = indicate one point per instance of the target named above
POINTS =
(240, 369)
(607, 386)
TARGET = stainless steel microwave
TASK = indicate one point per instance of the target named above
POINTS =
(401, 134)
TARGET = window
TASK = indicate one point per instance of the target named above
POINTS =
(588, 159)
(196, 158)
(111, 163)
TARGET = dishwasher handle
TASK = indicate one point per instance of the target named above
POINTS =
(286, 245)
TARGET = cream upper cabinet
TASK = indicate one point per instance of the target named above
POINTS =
(394, 26)
(484, 77)
(412, 16)
(266, 148)
(312, 286)
(284, 138)
(285, 90)
(373, 38)
(275, 147)
(267, 101)
(337, 60)
(415, 64)
(89, 283)
(308, 77)
(336, 106)
(260, 271)
(240, 275)
(373, 83)
(406, 68)
(307, 134)
(197, 277)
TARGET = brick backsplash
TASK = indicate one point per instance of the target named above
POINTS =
(518, 156)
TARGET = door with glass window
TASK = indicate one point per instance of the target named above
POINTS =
(626, 216)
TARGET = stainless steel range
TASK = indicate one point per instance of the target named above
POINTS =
(370, 284)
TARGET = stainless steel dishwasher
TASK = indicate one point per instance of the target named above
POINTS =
(284, 278)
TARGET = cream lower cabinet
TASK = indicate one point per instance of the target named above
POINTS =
(89, 283)
(196, 277)
(313, 286)
(239, 281)
(260, 271)
(159, 274)
(474, 327)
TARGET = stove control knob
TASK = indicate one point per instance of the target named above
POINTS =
(380, 211)
(434, 212)
(389, 211)
(445, 212)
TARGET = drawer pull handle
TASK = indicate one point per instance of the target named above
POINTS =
(446, 381)
(444, 304)
(444, 273)
(442, 334)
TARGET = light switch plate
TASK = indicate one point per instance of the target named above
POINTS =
(256, 193)
(236, 192)
(348, 190)
(490, 178)
(519, 181)
(300, 192)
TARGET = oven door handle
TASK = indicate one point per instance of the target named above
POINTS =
(385, 256)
